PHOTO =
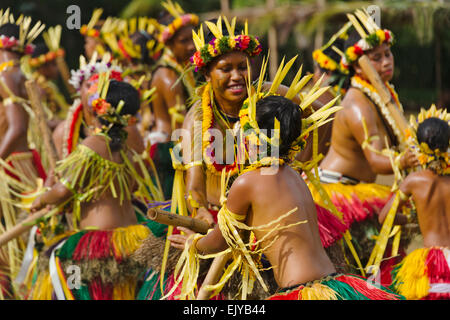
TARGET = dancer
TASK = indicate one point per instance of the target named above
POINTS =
(97, 180)
(425, 273)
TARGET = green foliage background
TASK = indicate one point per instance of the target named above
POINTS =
(421, 29)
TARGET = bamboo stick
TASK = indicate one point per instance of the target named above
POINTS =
(33, 94)
(385, 95)
(21, 228)
(65, 74)
(172, 219)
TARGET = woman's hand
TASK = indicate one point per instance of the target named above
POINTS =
(37, 204)
(205, 215)
(178, 240)
(409, 160)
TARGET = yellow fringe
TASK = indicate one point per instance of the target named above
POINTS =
(43, 288)
(124, 291)
(128, 239)
(362, 191)
(383, 237)
(318, 291)
(411, 280)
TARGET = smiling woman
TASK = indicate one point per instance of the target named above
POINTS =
(221, 56)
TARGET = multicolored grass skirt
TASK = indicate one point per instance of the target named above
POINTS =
(356, 202)
(105, 267)
(336, 287)
(424, 274)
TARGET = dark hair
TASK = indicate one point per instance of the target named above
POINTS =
(338, 43)
(165, 18)
(10, 30)
(287, 113)
(117, 91)
(40, 48)
(141, 38)
(435, 133)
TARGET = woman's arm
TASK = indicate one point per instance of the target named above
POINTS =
(58, 194)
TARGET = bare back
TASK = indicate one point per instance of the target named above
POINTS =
(107, 212)
(431, 195)
(297, 255)
(345, 154)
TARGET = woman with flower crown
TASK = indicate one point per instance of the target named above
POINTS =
(349, 169)
(174, 81)
(97, 180)
(78, 123)
(252, 223)
(425, 272)
(222, 57)
(20, 165)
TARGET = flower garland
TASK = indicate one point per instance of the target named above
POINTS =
(177, 24)
(324, 61)
(46, 57)
(88, 70)
(207, 138)
(94, 33)
(372, 93)
(219, 46)
(371, 41)
(13, 44)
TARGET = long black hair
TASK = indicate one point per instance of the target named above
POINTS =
(287, 113)
(119, 90)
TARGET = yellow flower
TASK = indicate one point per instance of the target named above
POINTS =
(232, 43)
(381, 35)
(177, 23)
(351, 54)
(211, 50)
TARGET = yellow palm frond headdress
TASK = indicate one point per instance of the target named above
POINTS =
(436, 160)
(221, 43)
(26, 36)
(181, 19)
(315, 119)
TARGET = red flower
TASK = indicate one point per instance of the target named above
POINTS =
(29, 49)
(358, 50)
(100, 106)
(244, 42)
(116, 75)
(387, 35)
(198, 61)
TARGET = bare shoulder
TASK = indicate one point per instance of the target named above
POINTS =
(14, 79)
(356, 100)
(357, 106)
(98, 144)
(419, 178)
(59, 130)
(164, 75)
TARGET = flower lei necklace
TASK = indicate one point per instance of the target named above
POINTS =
(207, 123)
(372, 93)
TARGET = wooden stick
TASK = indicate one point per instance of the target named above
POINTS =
(33, 94)
(213, 275)
(20, 228)
(65, 74)
(385, 95)
(177, 220)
